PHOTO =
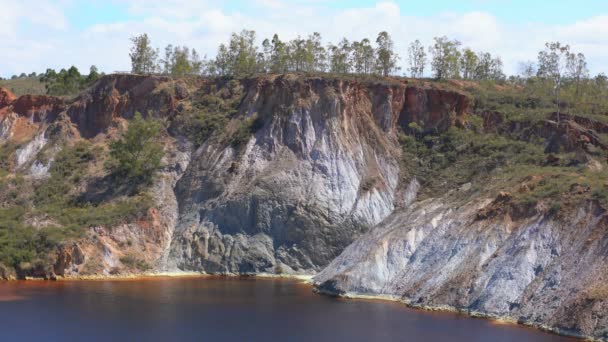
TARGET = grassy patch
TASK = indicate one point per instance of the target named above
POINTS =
(460, 156)
(495, 162)
(24, 86)
(132, 261)
(245, 128)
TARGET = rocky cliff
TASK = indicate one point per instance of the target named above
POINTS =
(320, 167)
(540, 270)
(376, 186)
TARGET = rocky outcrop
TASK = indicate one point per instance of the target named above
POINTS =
(321, 169)
(6, 97)
(588, 123)
(120, 96)
(570, 133)
(38, 108)
(536, 269)
(435, 110)
(68, 259)
(7, 273)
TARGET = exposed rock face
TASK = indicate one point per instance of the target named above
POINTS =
(435, 109)
(321, 170)
(318, 182)
(533, 268)
(38, 107)
(570, 133)
(7, 273)
(6, 97)
(68, 257)
(119, 97)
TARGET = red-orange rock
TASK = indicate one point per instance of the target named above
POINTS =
(38, 107)
(433, 109)
(6, 97)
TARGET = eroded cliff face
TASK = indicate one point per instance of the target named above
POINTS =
(320, 169)
(483, 256)
(315, 184)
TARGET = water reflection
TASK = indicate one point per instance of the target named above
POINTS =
(225, 309)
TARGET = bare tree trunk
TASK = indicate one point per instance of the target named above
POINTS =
(557, 99)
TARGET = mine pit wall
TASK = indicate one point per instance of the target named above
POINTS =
(321, 170)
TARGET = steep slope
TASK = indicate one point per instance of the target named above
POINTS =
(393, 188)
(293, 170)
(321, 168)
(540, 269)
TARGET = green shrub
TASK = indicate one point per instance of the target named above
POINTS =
(66, 171)
(137, 156)
(245, 129)
(132, 261)
(211, 111)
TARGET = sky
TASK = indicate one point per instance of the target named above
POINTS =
(41, 34)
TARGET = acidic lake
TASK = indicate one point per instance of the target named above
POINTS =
(225, 309)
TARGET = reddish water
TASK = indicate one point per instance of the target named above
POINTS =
(224, 309)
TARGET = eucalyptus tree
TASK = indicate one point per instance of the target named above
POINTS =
(317, 55)
(552, 63)
(143, 55)
(386, 58)
(577, 70)
(468, 64)
(417, 59)
(446, 55)
(488, 67)
(340, 57)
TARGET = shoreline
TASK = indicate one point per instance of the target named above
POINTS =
(452, 309)
(156, 275)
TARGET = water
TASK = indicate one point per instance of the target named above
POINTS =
(224, 309)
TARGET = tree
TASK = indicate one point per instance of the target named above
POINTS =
(243, 53)
(417, 59)
(143, 55)
(65, 82)
(488, 67)
(386, 58)
(340, 57)
(551, 65)
(358, 57)
(167, 61)
(316, 54)
(181, 61)
(468, 64)
(181, 65)
(278, 55)
(93, 75)
(136, 156)
(239, 58)
(298, 56)
(577, 70)
(222, 64)
(446, 55)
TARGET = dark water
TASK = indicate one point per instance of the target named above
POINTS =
(219, 309)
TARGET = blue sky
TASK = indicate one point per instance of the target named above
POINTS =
(36, 34)
(83, 14)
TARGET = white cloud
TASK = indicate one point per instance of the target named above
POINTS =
(203, 25)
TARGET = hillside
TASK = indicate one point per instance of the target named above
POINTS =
(444, 194)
